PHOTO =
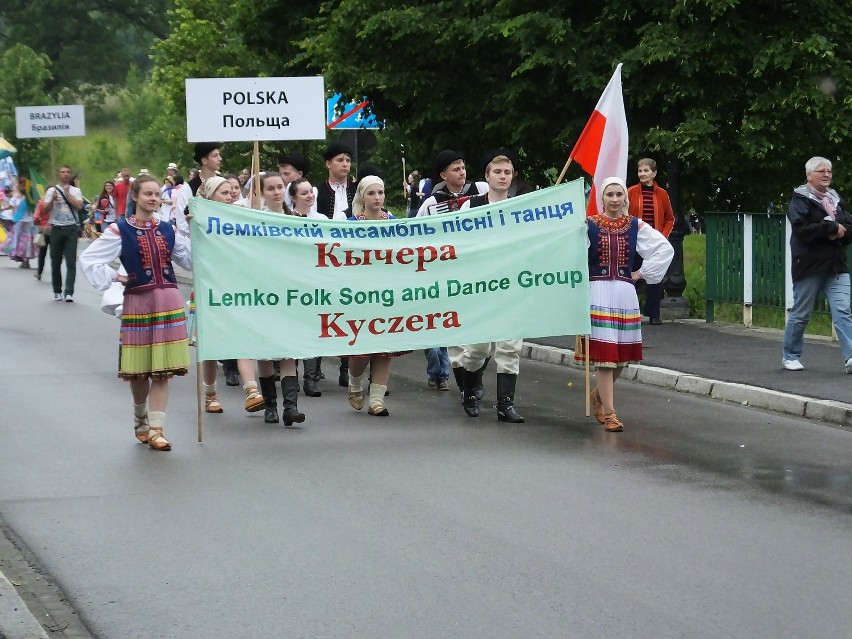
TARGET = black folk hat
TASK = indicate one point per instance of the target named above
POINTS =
(203, 149)
(335, 149)
(445, 158)
(294, 159)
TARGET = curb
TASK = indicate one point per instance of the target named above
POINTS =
(16, 620)
(824, 410)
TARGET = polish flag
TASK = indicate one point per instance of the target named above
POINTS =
(602, 147)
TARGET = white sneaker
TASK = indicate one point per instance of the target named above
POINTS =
(69, 298)
(57, 297)
(792, 365)
(849, 366)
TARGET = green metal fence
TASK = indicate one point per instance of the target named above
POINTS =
(725, 261)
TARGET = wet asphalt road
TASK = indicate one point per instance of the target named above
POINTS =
(702, 519)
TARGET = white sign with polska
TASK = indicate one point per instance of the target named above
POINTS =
(61, 121)
(241, 109)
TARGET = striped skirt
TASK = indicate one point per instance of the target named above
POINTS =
(616, 338)
(153, 335)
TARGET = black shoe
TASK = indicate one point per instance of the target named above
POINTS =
(469, 401)
(656, 321)
(478, 389)
(270, 397)
(343, 379)
(290, 392)
(505, 399)
(232, 378)
(310, 377)
(310, 388)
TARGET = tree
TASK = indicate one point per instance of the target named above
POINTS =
(87, 40)
(22, 83)
(718, 88)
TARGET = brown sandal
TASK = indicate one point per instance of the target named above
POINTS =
(157, 441)
(597, 405)
(612, 424)
(211, 404)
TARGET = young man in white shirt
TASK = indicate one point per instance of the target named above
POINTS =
(63, 202)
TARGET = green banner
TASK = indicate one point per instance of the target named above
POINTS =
(269, 285)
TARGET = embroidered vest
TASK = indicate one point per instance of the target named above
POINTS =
(146, 250)
(326, 198)
(612, 247)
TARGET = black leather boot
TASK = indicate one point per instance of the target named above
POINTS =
(505, 399)
(458, 373)
(270, 397)
(343, 380)
(478, 388)
(232, 375)
(320, 375)
(290, 392)
(470, 403)
(310, 377)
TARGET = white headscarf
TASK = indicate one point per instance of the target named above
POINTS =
(620, 182)
(358, 200)
(210, 185)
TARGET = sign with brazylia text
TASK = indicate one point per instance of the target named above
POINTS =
(242, 109)
(271, 285)
(61, 121)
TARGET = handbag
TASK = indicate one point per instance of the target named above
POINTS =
(39, 240)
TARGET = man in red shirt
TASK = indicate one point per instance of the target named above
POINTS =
(120, 192)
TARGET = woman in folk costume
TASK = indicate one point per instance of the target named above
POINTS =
(368, 204)
(19, 244)
(272, 187)
(218, 189)
(154, 345)
(615, 237)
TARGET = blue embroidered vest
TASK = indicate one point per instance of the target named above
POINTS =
(146, 252)
(612, 247)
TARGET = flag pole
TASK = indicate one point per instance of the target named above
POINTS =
(404, 176)
(255, 176)
(564, 170)
(198, 393)
(588, 376)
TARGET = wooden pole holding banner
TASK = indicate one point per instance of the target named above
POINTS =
(404, 176)
(585, 337)
(199, 397)
(255, 177)
(588, 376)
(564, 171)
(52, 161)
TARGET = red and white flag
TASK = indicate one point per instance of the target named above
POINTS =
(602, 147)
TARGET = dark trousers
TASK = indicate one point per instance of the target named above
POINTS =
(42, 253)
(653, 293)
(63, 244)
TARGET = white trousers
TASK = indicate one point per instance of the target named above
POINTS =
(506, 354)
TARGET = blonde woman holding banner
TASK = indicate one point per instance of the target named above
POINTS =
(218, 189)
(615, 237)
(368, 205)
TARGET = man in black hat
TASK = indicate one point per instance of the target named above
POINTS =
(209, 162)
(335, 195)
(293, 166)
(453, 189)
